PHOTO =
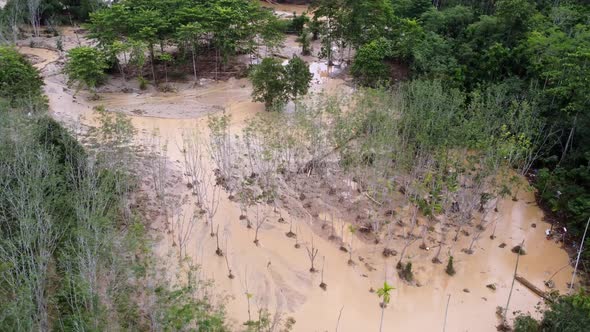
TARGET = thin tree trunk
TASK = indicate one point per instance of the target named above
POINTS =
(579, 254)
(382, 314)
(513, 279)
(446, 313)
(569, 140)
(152, 58)
(194, 64)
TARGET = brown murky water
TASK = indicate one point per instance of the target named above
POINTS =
(278, 274)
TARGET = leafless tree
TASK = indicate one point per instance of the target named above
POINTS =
(193, 164)
(157, 164)
(312, 253)
(212, 196)
(229, 272)
(259, 221)
(183, 229)
(34, 10)
(218, 251)
(352, 230)
(221, 150)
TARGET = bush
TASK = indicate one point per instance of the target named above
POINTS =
(86, 67)
(275, 84)
(406, 273)
(369, 67)
(20, 82)
(568, 314)
(298, 23)
(524, 323)
(450, 270)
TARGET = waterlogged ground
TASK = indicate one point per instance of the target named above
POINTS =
(277, 273)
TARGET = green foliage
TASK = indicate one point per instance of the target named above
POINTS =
(85, 67)
(20, 82)
(369, 67)
(298, 23)
(180, 308)
(298, 77)
(569, 313)
(268, 83)
(524, 323)
(70, 257)
(305, 41)
(192, 23)
(384, 292)
(450, 269)
(536, 51)
(406, 272)
(434, 58)
(275, 84)
(567, 191)
(411, 8)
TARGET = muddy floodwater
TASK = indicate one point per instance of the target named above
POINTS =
(277, 274)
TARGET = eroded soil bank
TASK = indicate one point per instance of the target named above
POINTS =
(275, 272)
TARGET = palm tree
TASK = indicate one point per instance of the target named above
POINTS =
(384, 292)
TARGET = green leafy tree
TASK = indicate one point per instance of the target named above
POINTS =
(190, 34)
(304, 40)
(297, 78)
(269, 84)
(369, 67)
(85, 67)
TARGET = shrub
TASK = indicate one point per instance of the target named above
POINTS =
(86, 67)
(20, 82)
(369, 67)
(450, 270)
(524, 323)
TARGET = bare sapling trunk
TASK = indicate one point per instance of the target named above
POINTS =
(218, 251)
(193, 164)
(579, 255)
(194, 61)
(260, 220)
(505, 314)
(183, 232)
(342, 243)
(248, 297)
(446, 313)
(312, 253)
(332, 229)
(212, 196)
(221, 150)
(229, 272)
(469, 250)
(423, 245)
(409, 241)
(157, 161)
(290, 232)
(297, 245)
(323, 285)
(493, 235)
